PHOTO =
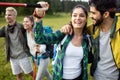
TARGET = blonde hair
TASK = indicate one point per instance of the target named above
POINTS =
(12, 9)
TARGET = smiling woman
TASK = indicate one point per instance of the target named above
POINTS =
(67, 55)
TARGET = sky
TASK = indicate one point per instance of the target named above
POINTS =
(79, 0)
(85, 0)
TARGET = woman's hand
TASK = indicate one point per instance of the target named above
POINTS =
(39, 13)
(45, 5)
(37, 48)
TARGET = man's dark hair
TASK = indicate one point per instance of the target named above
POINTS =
(104, 5)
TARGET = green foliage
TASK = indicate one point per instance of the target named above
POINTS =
(68, 5)
(55, 21)
(56, 6)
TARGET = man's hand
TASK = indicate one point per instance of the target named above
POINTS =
(67, 29)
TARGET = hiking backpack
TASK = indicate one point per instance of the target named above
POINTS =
(49, 47)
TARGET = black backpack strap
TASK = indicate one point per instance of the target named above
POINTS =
(119, 74)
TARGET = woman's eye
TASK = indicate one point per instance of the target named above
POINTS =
(74, 15)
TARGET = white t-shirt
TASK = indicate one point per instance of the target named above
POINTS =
(72, 61)
(32, 45)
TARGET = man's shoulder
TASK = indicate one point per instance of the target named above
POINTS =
(90, 29)
(118, 22)
(19, 24)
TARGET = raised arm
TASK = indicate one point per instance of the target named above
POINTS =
(42, 38)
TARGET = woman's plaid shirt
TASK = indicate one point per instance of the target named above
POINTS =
(56, 38)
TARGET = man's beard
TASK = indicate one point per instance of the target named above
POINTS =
(98, 22)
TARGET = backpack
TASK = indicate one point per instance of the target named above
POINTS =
(47, 29)
(49, 47)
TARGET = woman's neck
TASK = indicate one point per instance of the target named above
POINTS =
(78, 32)
(29, 30)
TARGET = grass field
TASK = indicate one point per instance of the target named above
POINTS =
(56, 22)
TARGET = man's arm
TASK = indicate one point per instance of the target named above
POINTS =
(66, 29)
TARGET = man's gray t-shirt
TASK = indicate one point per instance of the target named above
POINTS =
(16, 48)
(106, 68)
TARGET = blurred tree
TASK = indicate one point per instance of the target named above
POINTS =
(118, 6)
(55, 6)
(2, 9)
